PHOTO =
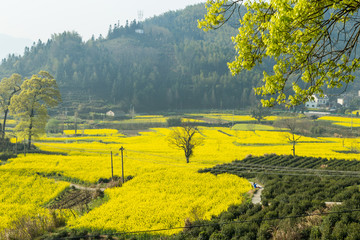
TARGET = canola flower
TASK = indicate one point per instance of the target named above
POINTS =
(346, 121)
(230, 117)
(70, 138)
(92, 132)
(192, 120)
(89, 161)
(149, 116)
(235, 118)
(154, 119)
(165, 190)
(165, 200)
(253, 127)
(346, 124)
(140, 119)
(23, 194)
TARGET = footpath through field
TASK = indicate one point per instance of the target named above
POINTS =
(86, 188)
(257, 195)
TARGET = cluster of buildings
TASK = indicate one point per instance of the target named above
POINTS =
(336, 102)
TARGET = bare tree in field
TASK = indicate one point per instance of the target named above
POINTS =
(259, 112)
(292, 138)
(185, 138)
(294, 126)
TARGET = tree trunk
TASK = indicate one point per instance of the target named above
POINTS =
(187, 159)
(293, 149)
(29, 143)
(30, 129)
(4, 123)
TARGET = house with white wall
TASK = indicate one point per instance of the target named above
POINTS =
(318, 102)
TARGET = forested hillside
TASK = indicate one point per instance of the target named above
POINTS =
(163, 63)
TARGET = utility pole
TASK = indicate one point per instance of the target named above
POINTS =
(24, 148)
(233, 118)
(112, 167)
(75, 126)
(122, 163)
(15, 145)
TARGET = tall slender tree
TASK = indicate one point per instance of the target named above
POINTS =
(8, 88)
(30, 106)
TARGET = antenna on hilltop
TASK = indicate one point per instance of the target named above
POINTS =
(140, 15)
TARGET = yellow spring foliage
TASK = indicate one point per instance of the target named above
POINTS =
(10, 122)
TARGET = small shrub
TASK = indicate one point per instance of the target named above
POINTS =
(32, 227)
(174, 121)
(114, 183)
(104, 180)
(128, 178)
(203, 236)
(97, 193)
(228, 230)
(4, 156)
(317, 130)
(217, 236)
(227, 216)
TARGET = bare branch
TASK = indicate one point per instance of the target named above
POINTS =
(185, 138)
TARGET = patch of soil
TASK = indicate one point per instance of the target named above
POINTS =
(348, 152)
(133, 133)
(214, 120)
(73, 198)
(225, 133)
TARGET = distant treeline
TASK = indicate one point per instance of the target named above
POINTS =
(163, 63)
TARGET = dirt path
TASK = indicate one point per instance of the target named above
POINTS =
(257, 196)
(85, 188)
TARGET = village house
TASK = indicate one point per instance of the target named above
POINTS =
(110, 114)
(318, 102)
(344, 100)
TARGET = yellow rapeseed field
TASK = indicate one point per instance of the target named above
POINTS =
(165, 190)
(23, 194)
(92, 132)
(233, 117)
(343, 121)
(165, 199)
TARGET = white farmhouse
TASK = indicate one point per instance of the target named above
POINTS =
(318, 102)
(110, 114)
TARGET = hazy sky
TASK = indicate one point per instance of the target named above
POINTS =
(38, 19)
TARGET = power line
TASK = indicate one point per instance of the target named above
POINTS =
(223, 223)
(162, 163)
(285, 168)
(261, 168)
(274, 172)
(154, 155)
(242, 168)
(105, 151)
